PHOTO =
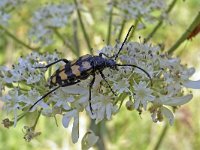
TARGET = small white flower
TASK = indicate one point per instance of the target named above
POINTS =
(62, 99)
(121, 86)
(133, 9)
(12, 100)
(5, 7)
(46, 18)
(103, 107)
(143, 94)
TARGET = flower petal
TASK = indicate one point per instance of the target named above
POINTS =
(108, 111)
(192, 84)
(65, 120)
(168, 114)
(75, 130)
(88, 140)
(177, 101)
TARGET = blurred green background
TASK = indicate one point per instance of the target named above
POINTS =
(126, 130)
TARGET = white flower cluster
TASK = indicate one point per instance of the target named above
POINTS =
(26, 85)
(170, 80)
(49, 17)
(6, 7)
(145, 9)
(21, 82)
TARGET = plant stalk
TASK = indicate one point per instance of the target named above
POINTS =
(109, 26)
(121, 29)
(135, 27)
(185, 34)
(99, 131)
(161, 137)
(8, 33)
(65, 42)
(160, 22)
(83, 28)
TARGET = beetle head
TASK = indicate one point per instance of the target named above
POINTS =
(111, 64)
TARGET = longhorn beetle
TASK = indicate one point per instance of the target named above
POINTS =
(73, 72)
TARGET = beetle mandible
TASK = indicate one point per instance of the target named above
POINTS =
(74, 71)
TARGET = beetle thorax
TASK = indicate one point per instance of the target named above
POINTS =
(101, 63)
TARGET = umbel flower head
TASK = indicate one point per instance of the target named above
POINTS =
(6, 7)
(140, 9)
(23, 84)
(47, 19)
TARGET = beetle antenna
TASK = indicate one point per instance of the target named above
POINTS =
(43, 97)
(124, 41)
(148, 75)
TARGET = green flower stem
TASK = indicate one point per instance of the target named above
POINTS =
(16, 39)
(186, 34)
(160, 22)
(75, 37)
(21, 116)
(109, 26)
(36, 120)
(57, 33)
(154, 31)
(121, 99)
(161, 137)
(121, 29)
(83, 28)
(99, 130)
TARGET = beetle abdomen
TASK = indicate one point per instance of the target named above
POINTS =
(68, 74)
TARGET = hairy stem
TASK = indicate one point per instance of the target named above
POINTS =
(185, 34)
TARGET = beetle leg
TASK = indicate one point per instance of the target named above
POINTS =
(47, 66)
(104, 78)
(90, 88)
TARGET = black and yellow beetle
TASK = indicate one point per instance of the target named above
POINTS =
(73, 72)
